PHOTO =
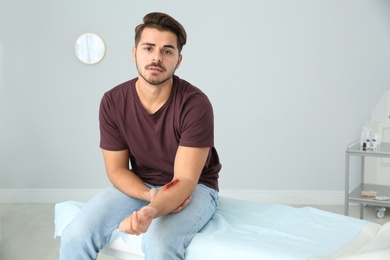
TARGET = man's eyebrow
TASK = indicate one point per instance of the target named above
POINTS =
(165, 46)
(148, 44)
(170, 46)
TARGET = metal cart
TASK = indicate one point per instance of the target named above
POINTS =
(382, 198)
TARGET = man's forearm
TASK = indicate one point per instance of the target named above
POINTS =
(172, 195)
(167, 200)
(129, 183)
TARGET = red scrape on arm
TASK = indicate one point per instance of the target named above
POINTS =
(171, 184)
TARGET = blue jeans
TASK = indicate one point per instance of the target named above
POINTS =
(167, 237)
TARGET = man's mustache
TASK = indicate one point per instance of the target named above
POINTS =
(154, 64)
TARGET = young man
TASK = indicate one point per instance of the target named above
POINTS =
(165, 127)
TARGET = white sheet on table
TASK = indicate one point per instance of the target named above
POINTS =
(376, 248)
(249, 230)
(64, 212)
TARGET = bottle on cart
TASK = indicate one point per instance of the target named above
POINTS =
(365, 137)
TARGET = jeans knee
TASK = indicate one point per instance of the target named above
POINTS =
(158, 247)
(76, 244)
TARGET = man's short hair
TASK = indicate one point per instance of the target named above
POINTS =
(162, 22)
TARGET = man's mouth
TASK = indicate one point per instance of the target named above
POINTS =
(155, 67)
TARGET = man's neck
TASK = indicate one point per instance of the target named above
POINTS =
(153, 97)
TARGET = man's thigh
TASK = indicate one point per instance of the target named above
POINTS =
(102, 214)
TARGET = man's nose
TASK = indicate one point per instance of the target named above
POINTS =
(157, 57)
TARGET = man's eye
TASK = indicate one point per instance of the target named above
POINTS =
(148, 49)
(167, 52)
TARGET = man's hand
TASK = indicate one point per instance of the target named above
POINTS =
(153, 192)
(138, 222)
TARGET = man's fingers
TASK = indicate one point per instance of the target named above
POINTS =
(138, 222)
(121, 226)
(134, 223)
(125, 225)
(182, 206)
(186, 202)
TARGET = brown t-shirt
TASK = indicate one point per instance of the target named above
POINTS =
(186, 119)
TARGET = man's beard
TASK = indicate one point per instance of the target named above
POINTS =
(151, 80)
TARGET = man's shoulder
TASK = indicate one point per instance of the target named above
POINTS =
(121, 88)
(186, 88)
(189, 97)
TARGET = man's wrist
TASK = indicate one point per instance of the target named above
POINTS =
(152, 194)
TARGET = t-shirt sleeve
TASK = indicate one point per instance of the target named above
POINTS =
(110, 136)
(198, 123)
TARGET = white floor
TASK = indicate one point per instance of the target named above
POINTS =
(27, 230)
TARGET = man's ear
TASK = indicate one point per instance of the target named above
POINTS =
(133, 51)
(179, 61)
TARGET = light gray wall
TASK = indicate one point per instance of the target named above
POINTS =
(291, 82)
